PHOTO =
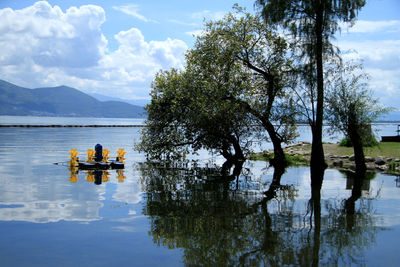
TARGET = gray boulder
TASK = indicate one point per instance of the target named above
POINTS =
(380, 161)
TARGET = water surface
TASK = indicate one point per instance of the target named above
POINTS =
(151, 215)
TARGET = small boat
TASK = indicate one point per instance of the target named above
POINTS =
(113, 164)
(98, 159)
(393, 138)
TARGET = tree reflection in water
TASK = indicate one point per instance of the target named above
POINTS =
(218, 224)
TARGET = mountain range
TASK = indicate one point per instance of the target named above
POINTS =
(136, 102)
(70, 102)
(61, 101)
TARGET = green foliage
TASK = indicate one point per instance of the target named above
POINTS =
(301, 17)
(393, 167)
(292, 160)
(236, 78)
(367, 141)
(188, 113)
(312, 25)
(242, 47)
(261, 156)
(346, 142)
(297, 160)
(394, 164)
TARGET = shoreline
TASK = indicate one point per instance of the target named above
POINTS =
(301, 151)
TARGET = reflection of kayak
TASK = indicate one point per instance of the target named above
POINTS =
(101, 165)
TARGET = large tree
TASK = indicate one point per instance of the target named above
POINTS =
(188, 113)
(236, 76)
(242, 43)
(312, 23)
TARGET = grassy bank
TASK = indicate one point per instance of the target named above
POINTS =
(387, 149)
(299, 154)
(294, 160)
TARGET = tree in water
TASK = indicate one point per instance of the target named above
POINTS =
(351, 107)
(312, 24)
(236, 78)
(187, 113)
(242, 43)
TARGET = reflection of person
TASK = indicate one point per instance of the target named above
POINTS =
(97, 176)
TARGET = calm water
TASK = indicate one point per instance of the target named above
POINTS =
(157, 216)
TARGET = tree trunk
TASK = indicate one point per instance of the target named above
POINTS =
(239, 156)
(317, 151)
(354, 130)
(279, 160)
(359, 156)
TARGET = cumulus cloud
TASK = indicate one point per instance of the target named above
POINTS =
(381, 59)
(49, 37)
(136, 61)
(44, 46)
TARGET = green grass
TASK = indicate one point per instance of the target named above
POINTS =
(392, 167)
(386, 149)
(263, 157)
(294, 160)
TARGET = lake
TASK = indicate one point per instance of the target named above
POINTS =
(157, 215)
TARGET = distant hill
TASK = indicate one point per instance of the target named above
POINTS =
(61, 101)
(136, 102)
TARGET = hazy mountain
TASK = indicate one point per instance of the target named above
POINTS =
(60, 101)
(136, 102)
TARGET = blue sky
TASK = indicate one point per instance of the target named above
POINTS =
(114, 48)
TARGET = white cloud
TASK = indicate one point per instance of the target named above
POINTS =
(133, 10)
(381, 57)
(364, 26)
(195, 33)
(49, 37)
(208, 15)
(184, 23)
(44, 46)
(136, 61)
(386, 85)
(385, 53)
